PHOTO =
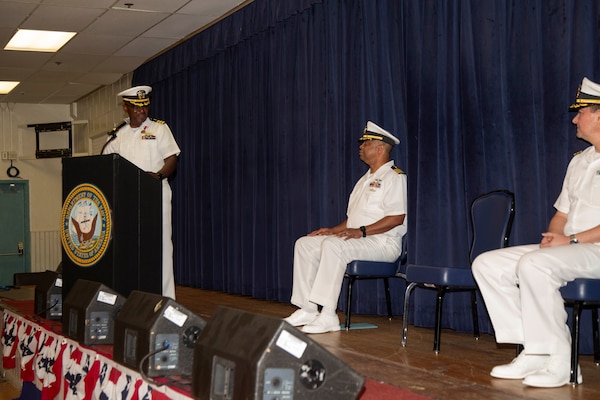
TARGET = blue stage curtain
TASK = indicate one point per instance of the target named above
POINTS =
(267, 106)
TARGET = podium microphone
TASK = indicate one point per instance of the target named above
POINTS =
(113, 135)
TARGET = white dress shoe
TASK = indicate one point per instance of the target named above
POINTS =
(521, 367)
(301, 317)
(556, 373)
(323, 324)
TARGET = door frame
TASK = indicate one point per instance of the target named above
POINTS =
(24, 185)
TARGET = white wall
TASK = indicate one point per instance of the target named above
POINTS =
(44, 175)
(92, 117)
(103, 111)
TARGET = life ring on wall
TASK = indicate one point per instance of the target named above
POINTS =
(12, 171)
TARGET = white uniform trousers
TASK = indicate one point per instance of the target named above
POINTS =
(520, 286)
(320, 263)
(168, 278)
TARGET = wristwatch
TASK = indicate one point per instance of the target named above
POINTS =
(364, 231)
(573, 239)
(160, 176)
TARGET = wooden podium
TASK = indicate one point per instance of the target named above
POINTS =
(111, 225)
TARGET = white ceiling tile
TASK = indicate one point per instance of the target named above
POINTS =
(177, 26)
(119, 64)
(153, 5)
(99, 78)
(214, 8)
(15, 74)
(26, 59)
(68, 19)
(126, 23)
(28, 1)
(76, 89)
(109, 43)
(81, 3)
(18, 12)
(86, 43)
(145, 47)
(53, 78)
(64, 62)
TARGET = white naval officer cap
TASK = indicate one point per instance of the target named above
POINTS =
(587, 94)
(374, 132)
(137, 95)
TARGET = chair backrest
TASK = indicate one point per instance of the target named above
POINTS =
(403, 257)
(492, 216)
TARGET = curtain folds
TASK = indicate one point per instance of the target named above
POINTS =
(268, 104)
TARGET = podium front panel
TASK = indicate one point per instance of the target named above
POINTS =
(121, 207)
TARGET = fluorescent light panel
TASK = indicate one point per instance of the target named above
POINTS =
(7, 86)
(33, 40)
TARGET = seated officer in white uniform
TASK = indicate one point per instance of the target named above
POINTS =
(372, 231)
(520, 284)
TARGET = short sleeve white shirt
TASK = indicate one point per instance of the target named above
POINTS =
(580, 195)
(146, 146)
(377, 195)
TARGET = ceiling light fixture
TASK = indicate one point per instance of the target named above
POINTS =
(7, 86)
(33, 40)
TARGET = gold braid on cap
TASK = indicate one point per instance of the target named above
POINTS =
(140, 100)
(583, 99)
(367, 136)
(137, 102)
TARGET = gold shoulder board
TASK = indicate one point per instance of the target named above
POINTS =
(397, 170)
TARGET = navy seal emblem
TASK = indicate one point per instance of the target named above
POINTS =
(86, 225)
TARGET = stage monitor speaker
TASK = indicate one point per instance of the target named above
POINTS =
(89, 312)
(48, 295)
(241, 355)
(156, 332)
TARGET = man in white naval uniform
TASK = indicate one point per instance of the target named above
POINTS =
(149, 144)
(520, 284)
(372, 231)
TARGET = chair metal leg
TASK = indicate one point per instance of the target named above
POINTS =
(438, 319)
(388, 299)
(351, 280)
(595, 328)
(474, 314)
(520, 348)
(577, 307)
(407, 293)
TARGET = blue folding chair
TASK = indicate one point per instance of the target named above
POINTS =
(579, 294)
(492, 215)
(361, 269)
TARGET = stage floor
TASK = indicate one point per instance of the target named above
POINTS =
(459, 371)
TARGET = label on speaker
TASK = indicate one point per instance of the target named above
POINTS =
(291, 344)
(107, 298)
(175, 316)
